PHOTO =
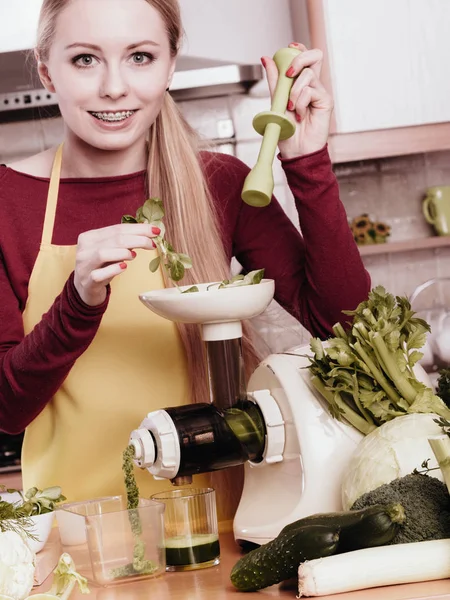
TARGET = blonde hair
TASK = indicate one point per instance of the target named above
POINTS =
(175, 175)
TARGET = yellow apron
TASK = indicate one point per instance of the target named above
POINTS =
(135, 364)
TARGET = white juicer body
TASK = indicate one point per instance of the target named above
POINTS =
(316, 453)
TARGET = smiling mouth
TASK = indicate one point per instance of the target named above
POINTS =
(113, 117)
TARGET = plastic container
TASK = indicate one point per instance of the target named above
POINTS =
(110, 544)
(191, 530)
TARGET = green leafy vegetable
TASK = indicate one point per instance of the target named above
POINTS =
(176, 263)
(13, 519)
(152, 212)
(366, 375)
(445, 424)
(15, 516)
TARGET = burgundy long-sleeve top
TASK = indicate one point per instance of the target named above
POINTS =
(317, 274)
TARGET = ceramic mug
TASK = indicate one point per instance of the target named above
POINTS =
(436, 208)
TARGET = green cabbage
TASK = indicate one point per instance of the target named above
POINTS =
(392, 450)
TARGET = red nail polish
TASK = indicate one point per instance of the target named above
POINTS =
(154, 245)
(123, 265)
(263, 62)
(290, 72)
(156, 230)
(290, 105)
(298, 117)
(133, 254)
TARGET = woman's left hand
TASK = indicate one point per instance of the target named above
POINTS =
(310, 105)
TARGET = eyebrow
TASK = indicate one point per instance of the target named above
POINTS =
(130, 47)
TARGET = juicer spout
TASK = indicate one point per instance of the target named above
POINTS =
(181, 480)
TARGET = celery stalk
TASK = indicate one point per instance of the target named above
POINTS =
(349, 414)
(440, 444)
(377, 374)
(390, 365)
(357, 401)
(339, 331)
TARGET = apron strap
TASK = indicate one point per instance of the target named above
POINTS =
(52, 197)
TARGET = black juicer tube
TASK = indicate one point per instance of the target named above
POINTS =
(226, 372)
(211, 439)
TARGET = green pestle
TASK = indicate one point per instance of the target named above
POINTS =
(273, 125)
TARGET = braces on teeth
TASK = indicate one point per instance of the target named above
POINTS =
(118, 116)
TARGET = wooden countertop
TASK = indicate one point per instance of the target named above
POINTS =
(214, 584)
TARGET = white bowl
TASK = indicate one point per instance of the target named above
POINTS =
(41, 524)
(210, 306)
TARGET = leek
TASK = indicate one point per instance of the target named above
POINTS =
(375, 567)
(440, 444)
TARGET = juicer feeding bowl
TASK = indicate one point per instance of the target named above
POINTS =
(211, 305)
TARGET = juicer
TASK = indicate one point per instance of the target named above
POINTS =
(294, 453)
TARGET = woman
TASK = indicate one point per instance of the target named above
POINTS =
(81, 361)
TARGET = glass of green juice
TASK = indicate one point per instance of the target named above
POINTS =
(190, 528)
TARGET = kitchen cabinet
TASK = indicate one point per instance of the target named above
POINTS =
(18, 24)
(234, 30)
(223, 29)
(385, 64)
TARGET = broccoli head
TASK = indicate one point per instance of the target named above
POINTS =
(426, 502)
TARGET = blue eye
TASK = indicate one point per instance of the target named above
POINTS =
(142, 58)
(83, 61)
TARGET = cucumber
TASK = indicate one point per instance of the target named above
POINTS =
(372, 526)
(279, 559)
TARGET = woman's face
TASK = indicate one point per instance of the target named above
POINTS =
(110, 65)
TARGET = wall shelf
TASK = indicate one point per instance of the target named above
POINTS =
(405, 246)
(400, 141)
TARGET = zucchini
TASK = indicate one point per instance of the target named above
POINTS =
(372, 526)
(279, 559)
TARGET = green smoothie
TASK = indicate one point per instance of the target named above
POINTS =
(192, 550)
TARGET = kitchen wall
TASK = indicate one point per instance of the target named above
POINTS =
(390, 190)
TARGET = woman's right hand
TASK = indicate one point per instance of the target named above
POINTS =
(102, 254)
